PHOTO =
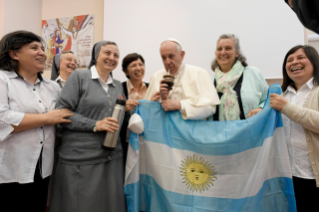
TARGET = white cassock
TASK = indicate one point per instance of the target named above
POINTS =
(193, 87)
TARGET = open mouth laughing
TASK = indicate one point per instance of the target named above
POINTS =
(296, 69)
(73, 67)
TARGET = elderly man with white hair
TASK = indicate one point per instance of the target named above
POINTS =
(193, 92)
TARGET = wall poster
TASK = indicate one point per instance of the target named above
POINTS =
(74, 33)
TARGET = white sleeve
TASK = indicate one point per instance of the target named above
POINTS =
(7, 117)
(201, 96)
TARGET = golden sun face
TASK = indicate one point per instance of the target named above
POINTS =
(197, 173)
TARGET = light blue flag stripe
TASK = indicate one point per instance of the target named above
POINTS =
(211, 139)
(192, 135)
(276, 195)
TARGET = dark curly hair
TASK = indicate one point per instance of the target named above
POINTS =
(14, 41)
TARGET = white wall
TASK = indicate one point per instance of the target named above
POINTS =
(2, 12)
(267, 29)
(313, 39)
(22, 15)
(314, 44)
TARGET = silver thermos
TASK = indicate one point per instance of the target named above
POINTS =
(118, 113)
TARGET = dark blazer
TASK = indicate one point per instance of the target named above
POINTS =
(125, 124)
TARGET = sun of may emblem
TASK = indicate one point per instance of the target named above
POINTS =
(198, 174)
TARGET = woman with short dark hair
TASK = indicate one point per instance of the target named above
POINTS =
(299, 106)
(27, 123)
(133, 66)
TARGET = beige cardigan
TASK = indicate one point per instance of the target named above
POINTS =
(308, 117)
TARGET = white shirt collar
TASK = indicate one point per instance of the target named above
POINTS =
(95, 75)
(14, 74)
(130, 85)
(309, 84)
(59, 78)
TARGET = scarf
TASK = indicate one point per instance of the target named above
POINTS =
(229, 106)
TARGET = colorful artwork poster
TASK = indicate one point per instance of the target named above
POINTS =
(71, 33)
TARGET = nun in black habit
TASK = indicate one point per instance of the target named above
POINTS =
(55, 66)
(88, 177)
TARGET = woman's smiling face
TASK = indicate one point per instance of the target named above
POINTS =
(136, 70)
(298, 67)
(108, 58)
(226, 53)
(31, 57)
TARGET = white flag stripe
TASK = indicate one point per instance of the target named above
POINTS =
(251, 167)
(132, 166)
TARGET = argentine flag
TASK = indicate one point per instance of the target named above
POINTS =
(196, 166)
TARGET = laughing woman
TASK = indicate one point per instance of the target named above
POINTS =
(62, 66)
(88, 177)
(27, 123)
(300, 108)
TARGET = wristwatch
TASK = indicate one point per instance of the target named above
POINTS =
(94, 128)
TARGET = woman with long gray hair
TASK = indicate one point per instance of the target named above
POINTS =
(88, 177)
(241, 88)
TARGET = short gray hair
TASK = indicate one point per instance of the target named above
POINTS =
(240, 57)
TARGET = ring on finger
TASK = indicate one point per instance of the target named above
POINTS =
(107, 125)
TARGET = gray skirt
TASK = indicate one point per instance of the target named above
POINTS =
(87, 188)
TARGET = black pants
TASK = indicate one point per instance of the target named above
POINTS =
(307, 194)
(15, 197)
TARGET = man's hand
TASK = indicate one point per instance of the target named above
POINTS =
(130, 105)
(277, 102)
(170, 104)
(163, 90)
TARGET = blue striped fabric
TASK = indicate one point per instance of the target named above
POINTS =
(154, 180)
